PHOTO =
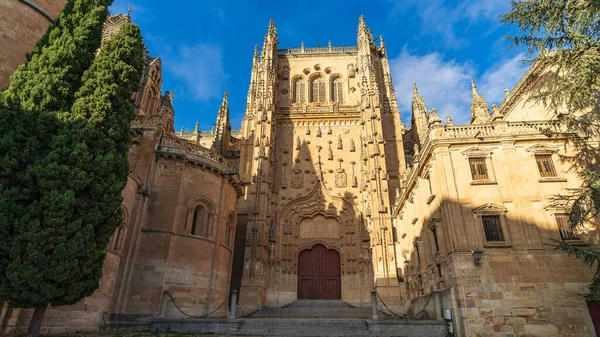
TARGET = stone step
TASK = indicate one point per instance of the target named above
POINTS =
(312, 313)
(314, 309)
(294, 327)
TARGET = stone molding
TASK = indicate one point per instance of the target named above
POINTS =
(38, 8)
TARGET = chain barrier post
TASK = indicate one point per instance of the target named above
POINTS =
(163, 304)
(374, 304)
(234, 294)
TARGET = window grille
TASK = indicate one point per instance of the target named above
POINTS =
(566, 232)
(299, 92)
(478, 168)
(492, 228)
(318, 91)
(545, 165)
(337, 91)
(435, 239)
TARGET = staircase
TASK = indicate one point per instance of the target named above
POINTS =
(314, 309)
(307, 318)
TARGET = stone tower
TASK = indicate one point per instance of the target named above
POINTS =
(24, 23)
(322, 149)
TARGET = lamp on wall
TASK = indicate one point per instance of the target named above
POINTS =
(477, 256)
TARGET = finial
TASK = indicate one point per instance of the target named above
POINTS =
(302, 45)
(256, 51)
(196, 128)
(129, 10)
(381, 43)
(415, 90)
(329, 44)
(506, 92)
(181, 132)
(272, 29)
(474, 88)
(225, 98)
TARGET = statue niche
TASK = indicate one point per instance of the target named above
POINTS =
(319, 227)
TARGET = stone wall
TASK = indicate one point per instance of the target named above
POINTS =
(22, 24)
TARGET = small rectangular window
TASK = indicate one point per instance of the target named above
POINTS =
(435, 239)
(566, 232)
(439, 270)
(545, 165)
(492, 228)
(418, 254)
(478, 168)
(395, 234)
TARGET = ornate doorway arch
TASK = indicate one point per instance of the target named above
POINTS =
(319, 274)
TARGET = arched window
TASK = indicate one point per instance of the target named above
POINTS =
(200, 221)
(318, 90)
(152, 103)
(119, 235)
(299, 91)
(230, 230)
(337, 90)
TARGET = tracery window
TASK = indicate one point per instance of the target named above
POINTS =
(200, 221)
(318, 90)
(337, 91)
(299, 92)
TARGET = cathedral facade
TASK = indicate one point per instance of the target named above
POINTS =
(323, 193)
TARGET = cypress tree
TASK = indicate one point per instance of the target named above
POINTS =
(64, 123)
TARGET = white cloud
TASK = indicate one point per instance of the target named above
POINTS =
(441, 18)
(446, 85)
(504, 75)
(196, 70)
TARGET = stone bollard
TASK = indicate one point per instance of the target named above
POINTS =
(163, 304)
(374, 304)
(234, 294)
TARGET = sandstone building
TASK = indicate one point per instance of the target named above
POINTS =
(323, 193)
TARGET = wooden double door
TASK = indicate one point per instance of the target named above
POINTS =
(319, 274)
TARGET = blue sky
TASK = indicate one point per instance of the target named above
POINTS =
(206, 47)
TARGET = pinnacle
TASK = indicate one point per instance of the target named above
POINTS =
(415, 91)
(362, 25)
(255, 50)
(225, 98)
(272, 29)
(474, 89)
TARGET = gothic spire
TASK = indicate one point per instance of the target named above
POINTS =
(419, 115)
(364, 33)
(479, 108)
(223, 125)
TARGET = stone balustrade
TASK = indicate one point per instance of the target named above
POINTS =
(197, 153)
(496, 130)
(343, 49)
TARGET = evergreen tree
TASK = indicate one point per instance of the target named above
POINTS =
(64, 136)
(564, 37)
